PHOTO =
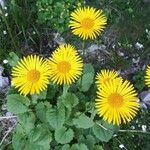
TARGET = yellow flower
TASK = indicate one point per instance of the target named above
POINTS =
(30, 75)
(147, 77)
(105, 76)
(66, 65)
(117, 101)
(87, 22)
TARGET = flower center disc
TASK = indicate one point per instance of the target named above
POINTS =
(87, 23)
(33, 75)
(64, 67)
(115, 100)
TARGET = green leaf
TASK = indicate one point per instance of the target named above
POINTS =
(41, 109)
(69, 100)
(66, 147)
(98, 147)
(88, 68)
(12, 59)
(83, 121)
(79, 147)
(27, 121)
(17, 104)
(90, 141)
(19, 141)
(40, 138)
(104, 133)
(87, 79)
(64, 135)
(51, 91)
(56, 117)
(41, 96)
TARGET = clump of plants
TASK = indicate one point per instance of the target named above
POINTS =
(57, 101)
(55, 14)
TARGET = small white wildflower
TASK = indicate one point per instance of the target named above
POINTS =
(113, 46)
(139, 45)
(5, 8)
(4, 32)
(121, 146)
(5, 61)
(132, 127)
(144, 128)
(6, 14)
(146, 30)
(34, 32)
(114, 135)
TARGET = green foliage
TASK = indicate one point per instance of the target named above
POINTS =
(103, 132)
(63, 135)
(39, 138)
(12, 59)
(56, 13)
(87, 79)
(56, 117)
(69, 100)
(17, 103)
(83, 121)
(139, 79)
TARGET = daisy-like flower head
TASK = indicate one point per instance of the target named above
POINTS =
(66, 65)
(87, 22)
(117, 102)
(31, 75)
(147, 76)
(105, 76)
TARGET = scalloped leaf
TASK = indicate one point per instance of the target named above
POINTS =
(17, 103)
(64, 135)
(83, 121)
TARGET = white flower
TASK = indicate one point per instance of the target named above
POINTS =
(144, 128)
(6, 14)
(4, 32)
(132, 127)
(5, 61)
(146, 31)
(121, 146)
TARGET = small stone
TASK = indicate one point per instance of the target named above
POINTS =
(139, 45)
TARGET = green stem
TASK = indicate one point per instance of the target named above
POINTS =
(65, 89)
(125, 131)
(135, 131)
(83, 50)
